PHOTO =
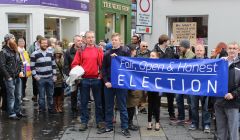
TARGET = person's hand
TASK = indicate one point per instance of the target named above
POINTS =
(108, 85)
(37, 78)
(9, 79)
(54, 78)
(21, 74)
(114, 54)
(228, 96)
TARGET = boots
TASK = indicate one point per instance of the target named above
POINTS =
(60, 102)
(55, 100)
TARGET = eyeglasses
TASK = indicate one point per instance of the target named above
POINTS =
(233, 48)
(144, 46)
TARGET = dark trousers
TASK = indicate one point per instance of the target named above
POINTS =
(74, 98)
(131, 111)
(24, 85)
(35, 87)
(3, 95)
(153, 106)
(170, 100)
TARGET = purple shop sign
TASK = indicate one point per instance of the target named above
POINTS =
(26, 2)
(67, 4)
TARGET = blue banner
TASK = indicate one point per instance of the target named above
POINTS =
(203, 77)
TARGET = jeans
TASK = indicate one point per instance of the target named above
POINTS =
(46, 86)
(95, 85)
(195, 107)
(227, 122)
(14, 93)
(121, 97)
(180, 106)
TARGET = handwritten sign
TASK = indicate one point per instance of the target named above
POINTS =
(185, 30)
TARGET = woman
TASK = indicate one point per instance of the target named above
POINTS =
(220, 50)
(26, 63)
(154, 103)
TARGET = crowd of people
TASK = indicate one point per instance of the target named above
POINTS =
(49, 65)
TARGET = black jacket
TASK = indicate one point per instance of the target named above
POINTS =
(10, 63)
(107, 59)
(233, 87)
(169, 53)
(69, 56)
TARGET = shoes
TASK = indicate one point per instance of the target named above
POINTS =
(149, 126)
(189, 121)
(34, 98)
(177, 122)
(83, 127)
(126, 133)
(172, 117)
(133, 127)
(192, 127)
(104, 130)
(143, 111)
(157, 126)
(14, 117)
(25, 99)
(21, 115)
(206, 129)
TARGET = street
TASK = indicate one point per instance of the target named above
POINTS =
(63, 126)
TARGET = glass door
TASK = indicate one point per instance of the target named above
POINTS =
(18, 25)
(109, 26)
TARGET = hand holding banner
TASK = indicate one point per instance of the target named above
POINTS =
(203, 77)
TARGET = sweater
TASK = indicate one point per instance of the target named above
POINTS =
(43, 64)
(107, 59)
(90, 58)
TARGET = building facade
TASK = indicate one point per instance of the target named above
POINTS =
(29, 18)
(216, 20)
(113, 16)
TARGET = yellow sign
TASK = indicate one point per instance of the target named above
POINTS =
(185, 30)
(116, 6)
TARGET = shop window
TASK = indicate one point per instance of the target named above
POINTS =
(52, 27)
(18, 25)
(109, 26)
(201, 30)
(202, 27)
(17, 19)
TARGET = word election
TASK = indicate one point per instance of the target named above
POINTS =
(205, 77)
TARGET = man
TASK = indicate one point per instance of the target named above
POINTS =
(69, 56)
(200, 54)
(162, 47)
(227, 108)
(90, 57)
(35, 46)
(43, 68)
(11, 68)
(110, 92)
(185, 53)
(135, 40)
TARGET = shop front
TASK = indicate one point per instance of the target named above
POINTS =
(59, 19)
(203, 21)
(113, 16)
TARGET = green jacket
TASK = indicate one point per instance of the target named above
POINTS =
(188, 55)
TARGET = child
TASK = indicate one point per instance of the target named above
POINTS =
(58, 87)
(153, 103)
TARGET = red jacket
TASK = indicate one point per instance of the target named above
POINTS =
(90, 58)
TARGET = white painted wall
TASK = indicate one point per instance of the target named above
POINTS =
(223, 22)
(37, 18)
